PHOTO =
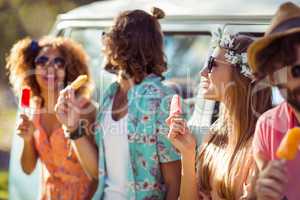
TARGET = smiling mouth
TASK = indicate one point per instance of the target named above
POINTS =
(50, 78)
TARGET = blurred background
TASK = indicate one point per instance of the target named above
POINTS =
(18, 19)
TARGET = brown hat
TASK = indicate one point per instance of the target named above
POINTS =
(285, 22)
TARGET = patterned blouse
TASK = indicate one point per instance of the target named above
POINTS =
(148, 108)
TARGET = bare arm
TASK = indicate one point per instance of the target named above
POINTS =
(29, 157)
(25, 129)
(171, 175)
(189, 189)
(184, 141)
(70, 111)
(87, 154)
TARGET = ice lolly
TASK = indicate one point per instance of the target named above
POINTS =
(175, 108)
(79, 81)
(25, 99)
(289, 145)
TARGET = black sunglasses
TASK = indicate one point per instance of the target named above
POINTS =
(296, 71)
(212, 63)
(58, 62)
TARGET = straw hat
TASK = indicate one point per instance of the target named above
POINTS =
(285, 22)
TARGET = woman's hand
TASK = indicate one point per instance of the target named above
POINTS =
(181, 137)
(25, 128)
(69, 109)
(271, 181)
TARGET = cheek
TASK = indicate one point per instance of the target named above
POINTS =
(61, 75)
(220, 77)
(39, 77)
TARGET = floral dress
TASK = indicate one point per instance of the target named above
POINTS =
(63, 178)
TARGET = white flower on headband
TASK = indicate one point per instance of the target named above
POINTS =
(226, 41)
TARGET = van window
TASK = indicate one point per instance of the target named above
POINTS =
(185, 52)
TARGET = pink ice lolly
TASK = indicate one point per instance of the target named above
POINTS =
(175, 108)
(25, 99)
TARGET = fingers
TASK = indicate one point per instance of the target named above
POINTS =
(266, 192)
(271, 181)
(178, 124)
(276, 170)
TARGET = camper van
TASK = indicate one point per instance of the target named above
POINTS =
(188, 28)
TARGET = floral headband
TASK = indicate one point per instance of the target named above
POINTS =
(225, 40)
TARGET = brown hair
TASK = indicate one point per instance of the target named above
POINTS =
(135, 44)
(236, 120)
(20, 62)
(281, 52)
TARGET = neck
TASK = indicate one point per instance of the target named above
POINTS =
(125, 84)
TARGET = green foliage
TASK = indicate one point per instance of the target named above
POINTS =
(3, 185)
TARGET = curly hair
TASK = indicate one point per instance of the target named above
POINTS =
(135, 44)
(20, 63)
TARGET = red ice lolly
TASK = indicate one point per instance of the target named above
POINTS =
(175, 108)
(25, 99)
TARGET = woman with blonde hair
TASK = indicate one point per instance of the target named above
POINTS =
(224, 162)
(45, 67)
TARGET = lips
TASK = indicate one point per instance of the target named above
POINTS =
(50, 78)
(205, 84)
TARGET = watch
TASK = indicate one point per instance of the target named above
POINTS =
(76, 134)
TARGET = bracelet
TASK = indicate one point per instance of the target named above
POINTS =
(74, 135)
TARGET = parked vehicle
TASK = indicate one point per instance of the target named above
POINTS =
(188, 29)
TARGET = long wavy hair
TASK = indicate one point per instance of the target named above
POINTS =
(21, 67)
(135, 44)
(228, 148)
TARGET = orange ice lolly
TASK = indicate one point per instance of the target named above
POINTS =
(175, 108)
(79, 81)
(288, 147)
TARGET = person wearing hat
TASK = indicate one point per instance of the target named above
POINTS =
(276, 58)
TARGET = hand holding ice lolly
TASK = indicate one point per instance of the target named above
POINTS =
(289, 146)
(25, 127)
(175, 108)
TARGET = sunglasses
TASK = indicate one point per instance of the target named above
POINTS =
(296, 71)
(212, 63)
(58, 62)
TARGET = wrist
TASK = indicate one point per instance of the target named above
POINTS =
(74, 133)
(28, 140)
(188, 155)
(70, 129)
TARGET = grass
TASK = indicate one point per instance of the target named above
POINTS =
(3, 185)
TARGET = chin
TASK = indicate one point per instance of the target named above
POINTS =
(210, 96)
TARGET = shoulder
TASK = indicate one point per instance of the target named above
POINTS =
(274, 115)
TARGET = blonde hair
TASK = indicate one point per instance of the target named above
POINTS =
(222, 157)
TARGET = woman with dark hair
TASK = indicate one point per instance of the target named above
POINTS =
(225, 164)
(45, 67)
(136, 160)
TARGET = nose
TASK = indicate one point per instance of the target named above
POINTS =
(50, 68)
(204, 72)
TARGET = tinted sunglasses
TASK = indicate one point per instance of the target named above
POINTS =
(212, 63)
(58, 62)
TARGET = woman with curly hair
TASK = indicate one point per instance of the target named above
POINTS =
(136, 160)
(46, 67)
(225, 164)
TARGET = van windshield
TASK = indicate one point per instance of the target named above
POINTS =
(185, 52)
